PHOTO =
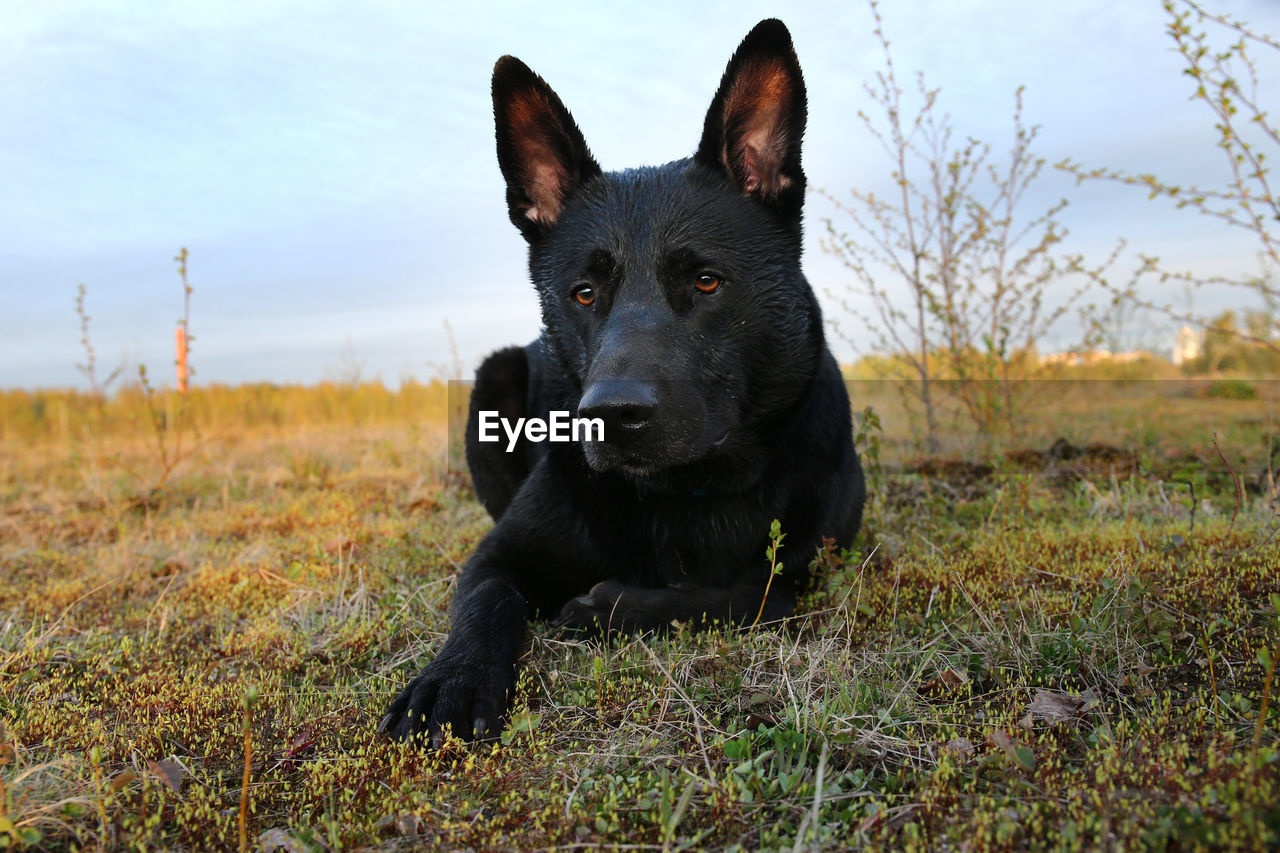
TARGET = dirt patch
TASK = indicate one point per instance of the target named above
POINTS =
(1091, 458)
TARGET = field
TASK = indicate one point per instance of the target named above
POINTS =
(1036, 643)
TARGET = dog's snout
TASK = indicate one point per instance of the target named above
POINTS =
(627, 407)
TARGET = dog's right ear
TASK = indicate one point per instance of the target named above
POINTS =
(540, 150)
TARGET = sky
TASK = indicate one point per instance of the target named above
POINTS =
(330, 166)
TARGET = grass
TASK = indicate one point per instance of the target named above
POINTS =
(1035, 651)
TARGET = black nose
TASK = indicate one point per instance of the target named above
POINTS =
(627, 407)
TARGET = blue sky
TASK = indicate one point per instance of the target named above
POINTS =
(330, 166)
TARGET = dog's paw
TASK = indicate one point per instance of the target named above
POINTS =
(612, 607)
(453, 694)
(595, 612)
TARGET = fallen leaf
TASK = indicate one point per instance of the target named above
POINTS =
(285, 761)
(1020, 754)
(404, 824)
(343, 548)
(1001, 739)
(960, 747)
(1053, 706)
(409, 824)
(124, 778)
(277, 839)
(526, 723)
(168, 771)
(423, 503)
(948, 681)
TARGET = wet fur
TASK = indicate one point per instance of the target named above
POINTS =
(727, 408)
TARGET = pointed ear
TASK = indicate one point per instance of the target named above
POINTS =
(540, 150)
(757, 118)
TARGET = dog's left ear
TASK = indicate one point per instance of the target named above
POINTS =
(755, 123)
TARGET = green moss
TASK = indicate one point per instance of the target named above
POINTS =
(1044, 656)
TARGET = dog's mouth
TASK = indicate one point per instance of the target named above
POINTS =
(653, 457)
(636, 470)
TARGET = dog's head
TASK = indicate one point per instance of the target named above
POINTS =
(672, 296)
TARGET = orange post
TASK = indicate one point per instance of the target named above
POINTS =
(180, 337)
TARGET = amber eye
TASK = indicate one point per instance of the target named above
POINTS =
(586, 296)
(707, 283)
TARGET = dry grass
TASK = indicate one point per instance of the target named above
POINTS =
(1032, 652)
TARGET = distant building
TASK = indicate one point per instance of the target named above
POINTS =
(1186, 346)
(1096, 357)
(1132, 356)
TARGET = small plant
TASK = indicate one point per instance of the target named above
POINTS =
(90, 366)
(250, 699)
(169, 425)
(867, 432)
(349, 371)
(1191, 475)
(95, 762)
(775, 568)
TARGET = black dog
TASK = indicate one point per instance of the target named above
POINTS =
(676, 316)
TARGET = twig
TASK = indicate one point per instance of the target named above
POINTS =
(1213, 681)
(250, 698)
(1234, 479)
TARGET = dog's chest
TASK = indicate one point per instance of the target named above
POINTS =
(662, 540)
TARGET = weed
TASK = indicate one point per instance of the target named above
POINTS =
(775, 568)
(170, 424)
(867, 432)
(90, 366)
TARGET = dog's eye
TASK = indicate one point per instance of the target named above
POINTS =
(586, 296)
(707, 283)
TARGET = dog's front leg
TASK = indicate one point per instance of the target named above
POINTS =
(467, 687)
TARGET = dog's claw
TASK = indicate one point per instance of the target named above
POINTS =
(452, 696)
